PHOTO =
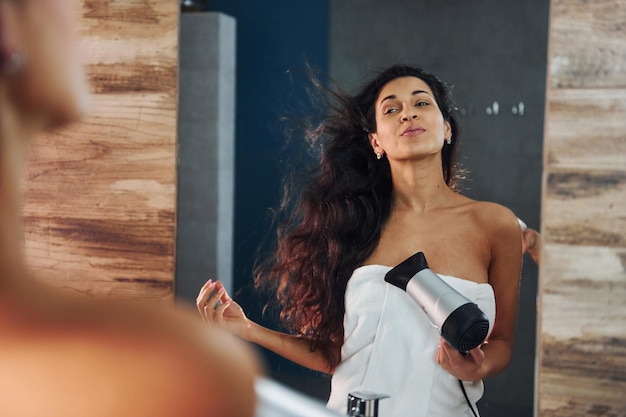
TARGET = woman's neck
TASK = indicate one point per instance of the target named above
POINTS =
(419, 186)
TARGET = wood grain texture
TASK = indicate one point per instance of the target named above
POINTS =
(100, 196)
(585, 207)
(587, 128)
(588, 49)
(582, 288)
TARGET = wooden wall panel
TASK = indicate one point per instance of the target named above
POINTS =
(582, 289)
(587, 44)
(586, 127)
(100, 196)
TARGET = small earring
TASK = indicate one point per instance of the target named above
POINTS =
(449, 140)
(379, 155)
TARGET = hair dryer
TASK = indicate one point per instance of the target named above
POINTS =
(460, 322)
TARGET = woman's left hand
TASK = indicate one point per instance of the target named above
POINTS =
(464, 367)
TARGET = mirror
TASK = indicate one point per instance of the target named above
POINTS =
(494, 53)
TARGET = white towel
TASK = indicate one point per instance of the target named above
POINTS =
(390, 346)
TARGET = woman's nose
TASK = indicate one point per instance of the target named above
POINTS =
(411, 114)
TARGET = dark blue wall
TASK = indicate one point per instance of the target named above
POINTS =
(491, 51)
(275, 42)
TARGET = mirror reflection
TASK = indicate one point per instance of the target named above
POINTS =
(494, 56)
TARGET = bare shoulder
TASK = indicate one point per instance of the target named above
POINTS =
(494, 217)
(502, 229)
(120, 358)
(210, 373)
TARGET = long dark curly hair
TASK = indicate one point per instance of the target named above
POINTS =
(332, 223)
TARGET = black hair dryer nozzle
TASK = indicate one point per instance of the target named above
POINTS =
(460, 322)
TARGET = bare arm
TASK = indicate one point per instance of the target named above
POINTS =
(504, 276)
(293, 347)
(217, 308)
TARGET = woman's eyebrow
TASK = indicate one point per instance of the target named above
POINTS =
(414, 93)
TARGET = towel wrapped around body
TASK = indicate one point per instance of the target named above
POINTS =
(390, 347)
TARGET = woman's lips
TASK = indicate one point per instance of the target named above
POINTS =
(412, 131)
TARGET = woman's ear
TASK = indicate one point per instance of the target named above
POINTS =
(447, 129)
(373, 137)
(376, 145)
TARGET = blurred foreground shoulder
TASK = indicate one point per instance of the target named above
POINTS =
(217, 370)
(68, 356)
(204, 372)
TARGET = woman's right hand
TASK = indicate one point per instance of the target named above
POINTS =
(218, 309)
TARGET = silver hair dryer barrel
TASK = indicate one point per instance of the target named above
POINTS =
(460, 322)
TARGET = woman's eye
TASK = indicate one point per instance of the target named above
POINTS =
(422, 103)
(390, 110)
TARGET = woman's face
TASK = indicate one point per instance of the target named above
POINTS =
(409, 123)
(50, 88)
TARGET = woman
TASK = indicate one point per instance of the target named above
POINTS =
(62, 355)
(384, 190)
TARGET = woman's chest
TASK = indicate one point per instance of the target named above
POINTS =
(457, 247)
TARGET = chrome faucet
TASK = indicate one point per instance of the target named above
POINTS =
(364, 403)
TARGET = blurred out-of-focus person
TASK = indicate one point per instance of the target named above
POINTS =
(69, 356)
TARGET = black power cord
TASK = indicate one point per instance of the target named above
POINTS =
(469, 403)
